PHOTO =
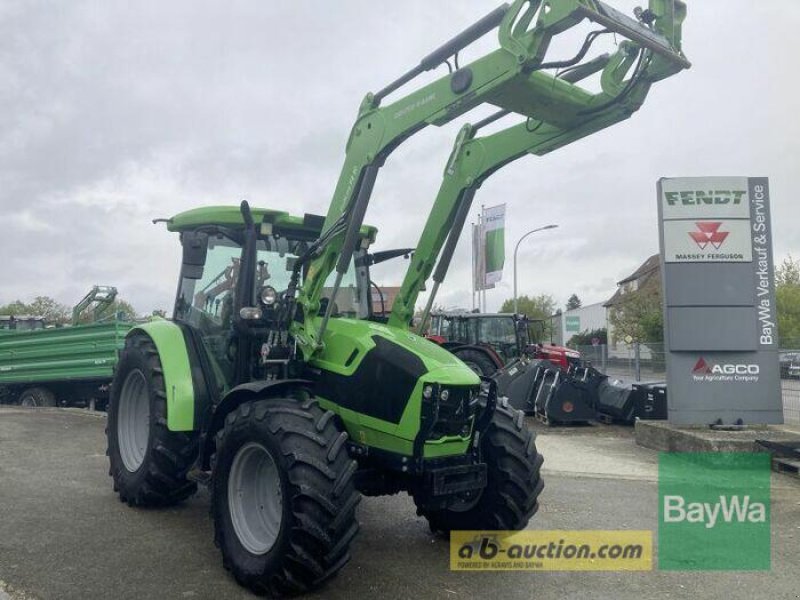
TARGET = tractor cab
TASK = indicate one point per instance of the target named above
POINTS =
(504, 333)
(235, 294)
(489, 341)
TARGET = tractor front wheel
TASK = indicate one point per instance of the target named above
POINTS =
(149, 462)
(283, 495)
(511, 496)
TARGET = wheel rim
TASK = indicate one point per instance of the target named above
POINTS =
(255, 501)
(28, 402)
(133, 420)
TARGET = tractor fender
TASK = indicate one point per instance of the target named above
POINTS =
(174, 356)
(246, 392)
(451, 345)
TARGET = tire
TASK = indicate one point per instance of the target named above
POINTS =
(477, 361)
(511, 496)
(308, 533)
(148, 462)
(37, 397)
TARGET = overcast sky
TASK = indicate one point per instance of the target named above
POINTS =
(115, 113)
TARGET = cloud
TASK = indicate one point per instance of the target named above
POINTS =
(112, 114)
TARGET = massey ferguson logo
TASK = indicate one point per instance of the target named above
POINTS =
(708, 233)
(704, 371)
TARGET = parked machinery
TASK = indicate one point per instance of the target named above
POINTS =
(286, 397)
(487, 342)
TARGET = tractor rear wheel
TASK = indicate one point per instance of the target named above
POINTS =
(283, 495)
(148, 462)
(477, 361)
(511, 496)
(37, 397)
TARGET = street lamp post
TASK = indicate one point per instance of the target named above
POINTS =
(516, 306)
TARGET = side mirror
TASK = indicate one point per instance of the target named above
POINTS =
(195, 249)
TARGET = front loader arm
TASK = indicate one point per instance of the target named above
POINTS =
(474, 159)
(502, 77)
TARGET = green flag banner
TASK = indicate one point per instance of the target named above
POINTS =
(494, 243)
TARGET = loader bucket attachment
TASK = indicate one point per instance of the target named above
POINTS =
(541, 389)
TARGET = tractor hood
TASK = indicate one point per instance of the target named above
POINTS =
(348, 342)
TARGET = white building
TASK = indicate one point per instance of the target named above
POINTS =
(578, 320)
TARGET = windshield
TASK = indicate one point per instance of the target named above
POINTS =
(209, 300)
(206, 300)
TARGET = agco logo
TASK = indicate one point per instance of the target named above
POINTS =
(704, 371)
(708, 233)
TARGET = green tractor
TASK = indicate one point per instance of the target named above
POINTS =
(275, 385)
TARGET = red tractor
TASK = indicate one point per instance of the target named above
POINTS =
(487, 342)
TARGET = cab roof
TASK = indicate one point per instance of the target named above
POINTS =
(231, 216)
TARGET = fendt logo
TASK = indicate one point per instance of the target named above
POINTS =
(703, 198)
(709, 233)
(704, 371)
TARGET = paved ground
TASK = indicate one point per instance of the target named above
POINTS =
(64, 534)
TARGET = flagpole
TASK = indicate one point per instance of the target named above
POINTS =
(483, 258)
(474, 266)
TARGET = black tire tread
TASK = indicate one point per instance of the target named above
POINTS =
(478, 358)
(42, 397)
(171, 454)
(511, 497)
(322, 494)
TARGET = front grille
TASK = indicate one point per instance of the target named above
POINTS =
(454, 415)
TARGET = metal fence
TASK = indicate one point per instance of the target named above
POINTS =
(630, 363)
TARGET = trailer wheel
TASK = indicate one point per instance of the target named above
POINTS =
(148, 462)
(477, 361)
(283, 496)
(511, 496)
(37, 397)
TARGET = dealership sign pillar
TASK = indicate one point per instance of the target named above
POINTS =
(720, 318)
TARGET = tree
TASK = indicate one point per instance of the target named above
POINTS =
(787, 296)
(42, 306)
(585, 338)
(536, 307)
(574, 302)
(639, 315)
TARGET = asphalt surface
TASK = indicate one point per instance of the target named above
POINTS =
(64, 534)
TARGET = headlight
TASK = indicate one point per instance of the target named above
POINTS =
(250, 313)
(444, 395)
(427, 392)
(268, 295)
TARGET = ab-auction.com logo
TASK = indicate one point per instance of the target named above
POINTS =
(708, 233)
(527, 550)
(704, 371)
